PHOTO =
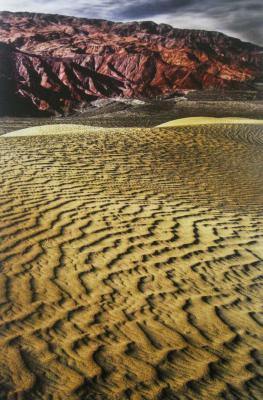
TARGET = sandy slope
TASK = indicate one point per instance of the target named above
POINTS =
(73, 129)
(131, 264)
(59, 129)
(210, 120)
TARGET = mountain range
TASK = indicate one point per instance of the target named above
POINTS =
(55, 65)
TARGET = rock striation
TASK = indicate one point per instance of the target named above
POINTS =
(53, 64)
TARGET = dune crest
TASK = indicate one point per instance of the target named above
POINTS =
(209, 120)
(75, 129)
(52, 129)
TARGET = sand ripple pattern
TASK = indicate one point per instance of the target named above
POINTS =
(131, 265)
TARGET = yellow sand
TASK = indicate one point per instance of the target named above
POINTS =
(55, 129)
(68, 129)
(210, 120)
(131, 264)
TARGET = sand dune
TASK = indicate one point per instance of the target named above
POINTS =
(210, 120)
(58, 129)
(73, 129)
(131, 264)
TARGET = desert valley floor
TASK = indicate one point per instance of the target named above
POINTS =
(131, 264)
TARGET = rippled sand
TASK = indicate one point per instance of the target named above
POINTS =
(131, 264)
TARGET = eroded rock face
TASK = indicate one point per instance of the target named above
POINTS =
(55, 64)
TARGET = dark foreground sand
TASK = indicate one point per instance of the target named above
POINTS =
(131, 264)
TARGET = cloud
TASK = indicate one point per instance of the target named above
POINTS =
(67, 7)
(235, 17)
(141, 9)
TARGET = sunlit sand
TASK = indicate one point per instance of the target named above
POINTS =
(70, 129)
(210, 120)
(131, 263)
(56, 129)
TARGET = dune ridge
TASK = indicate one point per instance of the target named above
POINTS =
(209, 120)
(65, 129)
(131, 265)
(53, 129)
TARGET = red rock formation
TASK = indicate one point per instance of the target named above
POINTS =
(56, 64)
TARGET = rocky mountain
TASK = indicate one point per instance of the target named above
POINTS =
(52, 64)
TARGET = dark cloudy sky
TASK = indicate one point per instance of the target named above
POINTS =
(240, 18)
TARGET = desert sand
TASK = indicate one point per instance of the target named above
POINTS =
(131, 264)
(59, 129)
(210, 121)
